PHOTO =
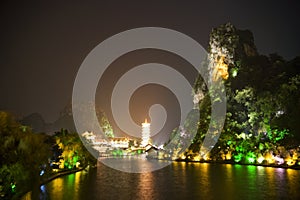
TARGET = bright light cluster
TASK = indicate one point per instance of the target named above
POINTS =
(145, 133)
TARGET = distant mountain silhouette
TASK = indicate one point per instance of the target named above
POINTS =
(35, 121)
(64, 121)
(38, 124)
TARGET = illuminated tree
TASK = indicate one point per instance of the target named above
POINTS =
(72, 153)
(104, 124)
(22, 155)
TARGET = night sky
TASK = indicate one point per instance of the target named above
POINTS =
(44, 44)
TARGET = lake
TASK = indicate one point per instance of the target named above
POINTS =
(179, 180)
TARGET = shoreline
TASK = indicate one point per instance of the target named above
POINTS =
(283, 166)
(63, 173)
(23, 195)
(295, 167)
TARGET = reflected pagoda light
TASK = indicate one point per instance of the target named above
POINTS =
(145, 133)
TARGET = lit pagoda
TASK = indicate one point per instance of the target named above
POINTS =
(145, 133)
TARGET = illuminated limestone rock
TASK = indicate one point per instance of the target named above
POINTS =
(220, 69)
(227, 47)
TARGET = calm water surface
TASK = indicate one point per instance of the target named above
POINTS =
(178, 181)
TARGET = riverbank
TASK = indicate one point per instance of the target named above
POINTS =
(27, 195)
(297, 167)
(63, 173)
(177, 181)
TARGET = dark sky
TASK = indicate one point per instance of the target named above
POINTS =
(44, 44)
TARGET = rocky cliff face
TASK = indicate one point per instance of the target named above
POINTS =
(227, 47)
(235, 43)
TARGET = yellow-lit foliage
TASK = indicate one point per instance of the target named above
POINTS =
(221, 69)
(61, 163)
(295, 156)
(269, 158)
(182, 156)
(206, 157)
(228, 156)
(68, 152)
(197, 158)
(291, 160)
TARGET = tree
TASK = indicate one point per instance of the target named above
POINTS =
(23, 155)
(70, 151)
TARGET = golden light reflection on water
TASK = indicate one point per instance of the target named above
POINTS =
(182, 166)
(229, 189)
(270, 177)
(64, 187)
(145, 186)
(205, 179)
(294, 181)
(228, 168)
(180, 178)
(179, 181)
(57, 185)
(77, 178)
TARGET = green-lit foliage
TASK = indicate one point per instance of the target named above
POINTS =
(104, 124)
(262, 99)
(250, 157)
(72, 149)
(13, 187)
(117, 152)
(238, 157)
(21, 155)
(276, 135)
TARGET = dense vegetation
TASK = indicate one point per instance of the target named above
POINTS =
(263, 102)
(27, 158)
